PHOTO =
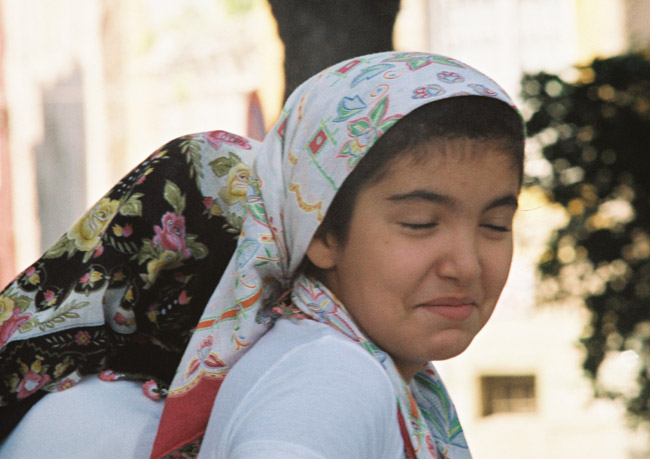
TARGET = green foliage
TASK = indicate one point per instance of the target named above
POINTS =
(596, 135)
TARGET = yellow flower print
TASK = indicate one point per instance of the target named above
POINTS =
(7, 306)
(31, 276)
(60, 369)
(37, 365)
(237, 183)
(153, 317)
(95, 276)
(215, 210)
(87, 231)
(166, 260)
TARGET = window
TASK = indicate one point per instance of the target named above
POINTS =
(508, 394)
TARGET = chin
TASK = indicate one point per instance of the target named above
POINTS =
(450, 348)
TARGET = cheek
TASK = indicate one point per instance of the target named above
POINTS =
(392, 263)
(496, 268)
(373, 270)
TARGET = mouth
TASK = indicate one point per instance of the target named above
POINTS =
(452, 308)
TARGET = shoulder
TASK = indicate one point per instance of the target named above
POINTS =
(312, 388)
(307, 351)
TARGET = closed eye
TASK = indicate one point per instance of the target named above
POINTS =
(499, 228)
(419, 225)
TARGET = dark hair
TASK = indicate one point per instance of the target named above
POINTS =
(475, 117)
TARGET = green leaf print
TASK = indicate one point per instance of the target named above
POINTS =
(59, 316)
(191, 148)
(132, 207)
(62, 246)
(198, 249)
(358, 127)
(221, 166)
(147, 251)
(378, 112)
(174, 197)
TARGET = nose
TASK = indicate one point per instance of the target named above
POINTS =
(460, 258)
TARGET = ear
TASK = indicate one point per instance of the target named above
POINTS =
(322, 251)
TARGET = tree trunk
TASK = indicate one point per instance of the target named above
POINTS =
(318, 33)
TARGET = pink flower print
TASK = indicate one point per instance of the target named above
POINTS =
(119, 318)
(123, 231)
(85, 278)
(109, 375)
(183, 298)
(206, 342)
(82, 338)
(65, 384)
(98, 252)
(215, 138)
(31, 383)
(50, 297)
(172, 234)
(450, 77)
(10, 325)
(207, 202)
(31, 275)
(430, 90)
(150, 390)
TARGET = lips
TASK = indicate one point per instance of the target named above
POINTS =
(452, 308)
(450, 301)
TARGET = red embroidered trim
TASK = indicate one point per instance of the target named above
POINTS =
(408, 446)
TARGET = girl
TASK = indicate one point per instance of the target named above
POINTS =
(376, 237)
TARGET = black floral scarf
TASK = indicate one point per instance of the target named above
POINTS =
(121, 291)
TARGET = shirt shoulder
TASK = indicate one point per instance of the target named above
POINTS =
(306, 385)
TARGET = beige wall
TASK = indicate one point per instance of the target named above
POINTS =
(94, 86)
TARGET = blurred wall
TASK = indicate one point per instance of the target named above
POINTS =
(93, 86)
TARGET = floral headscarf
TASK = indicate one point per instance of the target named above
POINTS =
(119, 293)
(328, 124)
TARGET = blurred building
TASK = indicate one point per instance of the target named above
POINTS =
(91, 87)
(88, 88)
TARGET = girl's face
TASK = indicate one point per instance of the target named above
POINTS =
(428, 250)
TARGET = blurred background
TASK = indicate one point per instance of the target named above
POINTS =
(88, 88)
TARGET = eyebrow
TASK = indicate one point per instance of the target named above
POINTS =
(421, 195)
(506, 201)
(430, 196)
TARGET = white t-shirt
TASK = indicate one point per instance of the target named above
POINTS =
(94, 420)
(304, 391)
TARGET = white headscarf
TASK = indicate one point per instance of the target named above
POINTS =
(328, 124)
